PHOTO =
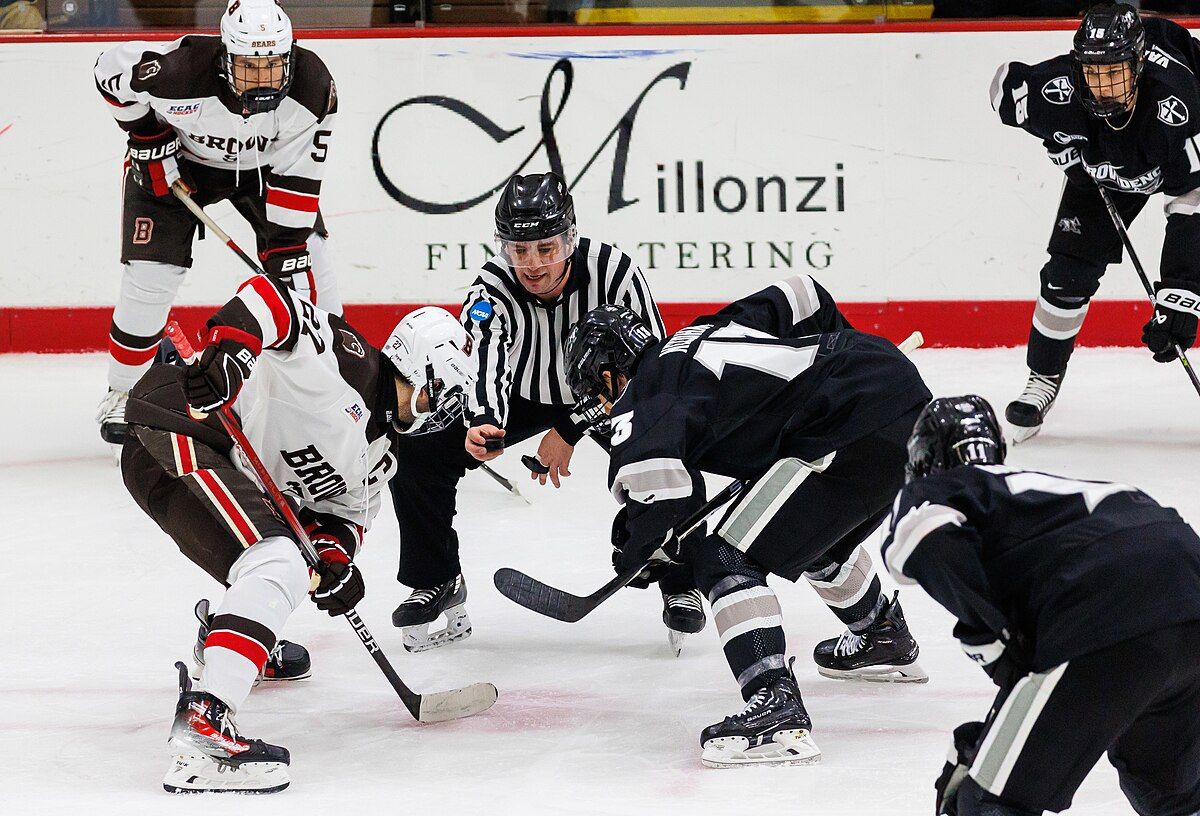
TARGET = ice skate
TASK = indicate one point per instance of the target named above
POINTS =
(1027, 412)
(885, 653)
(287, 661)
(111, 416)
(425, 606)
(773, 729)
(683, 613)
(211, 756)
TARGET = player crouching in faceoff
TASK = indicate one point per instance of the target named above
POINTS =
(320, 406)
(1081, 600)
(820, 421)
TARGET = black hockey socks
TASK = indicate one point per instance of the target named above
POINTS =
(850, 589)
(746, 612)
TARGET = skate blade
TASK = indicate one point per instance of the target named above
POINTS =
(203, 774)
(910, 673)
(793, 747)
(675, 641)
(418, 639)
(1020, 433)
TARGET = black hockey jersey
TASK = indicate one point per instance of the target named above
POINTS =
(1156, 151)
(1067, 566)
(149, 86)
(317, 407)
(737, 391)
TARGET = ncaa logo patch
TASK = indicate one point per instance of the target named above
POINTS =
(1172, 111)
(481, 311)
(1058, 91)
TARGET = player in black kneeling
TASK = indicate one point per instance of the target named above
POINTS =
(1121, 110)
(819, 420)
(1081, 600)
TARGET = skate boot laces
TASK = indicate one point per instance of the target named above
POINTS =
(112, 407)
(686, 600)
(422, 596)
(1041, 390)
(848, 644)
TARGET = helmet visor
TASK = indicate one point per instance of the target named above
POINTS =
(542, 252)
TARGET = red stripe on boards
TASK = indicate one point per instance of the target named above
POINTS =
(250, 649)
(945, 323)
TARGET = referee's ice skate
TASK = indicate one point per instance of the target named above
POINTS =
(884, 653)
(772, 729)
(210, 756)
(425, 606)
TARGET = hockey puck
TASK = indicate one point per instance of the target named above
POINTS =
(534, 465)
(493, 443)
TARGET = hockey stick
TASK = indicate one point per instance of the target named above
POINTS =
(183, 194)
(505, 483)
(427, 708)
(1137, 264)
(555, 603)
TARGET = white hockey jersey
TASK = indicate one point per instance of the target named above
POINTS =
(314, 407)
(178, 84)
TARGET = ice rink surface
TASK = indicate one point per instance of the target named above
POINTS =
(595, 717)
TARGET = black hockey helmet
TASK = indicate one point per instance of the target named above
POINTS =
(953, 431)
(608, 340)
(1109, 47)
(533, 207)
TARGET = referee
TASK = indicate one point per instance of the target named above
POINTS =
(519, 313)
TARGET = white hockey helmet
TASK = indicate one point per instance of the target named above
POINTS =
(431, 350)
(257, 29)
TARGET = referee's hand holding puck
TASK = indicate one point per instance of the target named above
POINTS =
(482, 442)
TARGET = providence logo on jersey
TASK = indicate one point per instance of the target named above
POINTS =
(664, 185)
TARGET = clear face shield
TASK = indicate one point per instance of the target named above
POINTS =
(540, 253)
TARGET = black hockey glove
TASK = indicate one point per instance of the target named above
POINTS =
(958, 761)
(1176, 309)
(154, 161)
(216, 378)
(341, 586)
(283, 262)
(660, 554)
(1003, 659)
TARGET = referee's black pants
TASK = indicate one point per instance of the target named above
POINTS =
(425, 494)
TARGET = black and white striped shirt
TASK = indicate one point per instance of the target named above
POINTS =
(520, 341)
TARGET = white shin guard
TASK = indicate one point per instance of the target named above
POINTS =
(266, 584)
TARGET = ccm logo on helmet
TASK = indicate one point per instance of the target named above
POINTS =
(525, 224)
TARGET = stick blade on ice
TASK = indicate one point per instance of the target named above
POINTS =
(538, 597)
(441, 706)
